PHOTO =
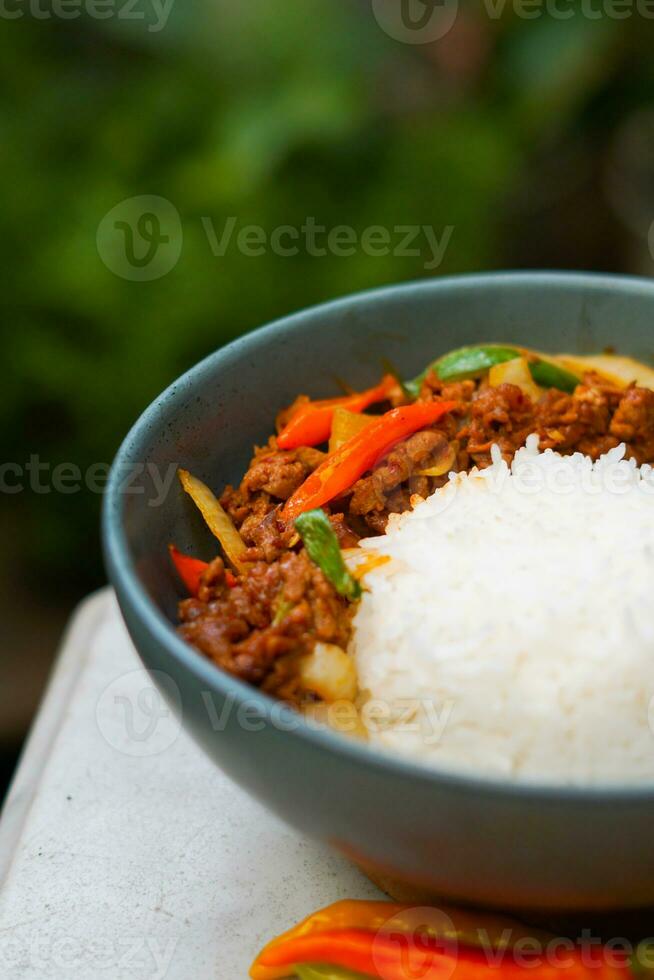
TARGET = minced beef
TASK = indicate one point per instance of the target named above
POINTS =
(257, 628)
(271, 478)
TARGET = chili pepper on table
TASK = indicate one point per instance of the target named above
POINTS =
(397, 957)
(311, 424)
(454, 924)
(321, 543)
(380, 940)
(344, 466)
(190, 570)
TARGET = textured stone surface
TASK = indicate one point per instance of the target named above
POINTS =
(124, 853)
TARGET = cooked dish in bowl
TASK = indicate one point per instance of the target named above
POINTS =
(379, 551)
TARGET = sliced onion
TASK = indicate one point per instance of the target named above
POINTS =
(620, 371)
(515, 372)
(218, 520)
(346, 424)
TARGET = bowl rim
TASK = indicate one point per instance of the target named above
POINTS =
(122, 572)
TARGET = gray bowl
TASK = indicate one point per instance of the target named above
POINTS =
(477, 840)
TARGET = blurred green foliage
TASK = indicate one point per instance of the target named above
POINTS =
(522, 134)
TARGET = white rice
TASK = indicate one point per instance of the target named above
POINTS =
(512, 632)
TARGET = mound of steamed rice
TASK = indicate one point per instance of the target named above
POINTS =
(512, 631)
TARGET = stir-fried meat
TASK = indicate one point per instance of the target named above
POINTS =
(258, 628)
(374, 492)
(633, 423)
(577, 422)
(279, 473)
(271, 478)
(502, 415)
(580, 422)
(457, 391)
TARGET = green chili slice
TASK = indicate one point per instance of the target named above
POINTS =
(317, 533)
(549, 375)
(466, 362)
(472, 362)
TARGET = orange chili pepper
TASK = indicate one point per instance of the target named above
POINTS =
(344, 467)
(398, 956)
(449, 924)
(190, 570)
(311, 424)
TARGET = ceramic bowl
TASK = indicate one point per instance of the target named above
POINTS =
(473, 839)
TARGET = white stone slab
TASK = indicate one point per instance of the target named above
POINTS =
(124, 853)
